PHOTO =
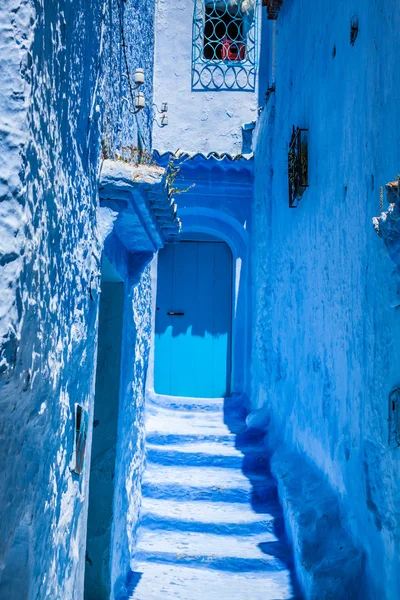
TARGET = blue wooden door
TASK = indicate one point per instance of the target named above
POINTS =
(193, 320)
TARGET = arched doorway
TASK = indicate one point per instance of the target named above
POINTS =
(194, 319)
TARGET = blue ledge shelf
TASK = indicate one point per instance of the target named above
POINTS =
(147, 217)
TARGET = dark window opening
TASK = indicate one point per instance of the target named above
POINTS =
(223, 32)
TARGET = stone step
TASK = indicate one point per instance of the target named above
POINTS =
(203, 447)
(216, 562)
(203, 454)
(177, 403)
(211, 526)
(205, 517)
(204, 477)
(204, 512)
(195, 544)
(155, 437)
(160, 581)
(212, 484)
(185, 425)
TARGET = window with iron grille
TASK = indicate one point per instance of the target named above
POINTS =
(224, 45)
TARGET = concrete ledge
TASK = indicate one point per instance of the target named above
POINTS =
(139, 194)
(328, 563)
(387, 225)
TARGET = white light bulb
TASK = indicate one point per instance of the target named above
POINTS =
(140, 101)
(139, 76)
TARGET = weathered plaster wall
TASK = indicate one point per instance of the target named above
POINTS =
(56, 58)
(49, 319)
(121, 127)
(199, 121)
(326, 340)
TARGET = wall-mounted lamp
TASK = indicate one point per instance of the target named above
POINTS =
(139, 77)
(140, 101)
(164, 121)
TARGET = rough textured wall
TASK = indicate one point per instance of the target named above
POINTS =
(132, 23)
(55, 58)
(326, 340)
(199, 121)
(49, 320)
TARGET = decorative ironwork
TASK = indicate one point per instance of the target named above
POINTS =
(273, 8)
(224, 45)
(298, 165)
(394, 418)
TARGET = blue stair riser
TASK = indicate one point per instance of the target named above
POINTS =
(155, 522)
(220, 563)
(267, 491)
(192, 405)
(166, 439)
(163, 456)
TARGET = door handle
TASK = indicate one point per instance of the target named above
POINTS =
(175, 314)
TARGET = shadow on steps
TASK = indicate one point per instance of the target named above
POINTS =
(256, 463)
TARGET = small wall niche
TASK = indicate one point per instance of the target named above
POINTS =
(354, 27)
(394, 418)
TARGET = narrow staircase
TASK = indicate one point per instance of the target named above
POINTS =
(211, 525)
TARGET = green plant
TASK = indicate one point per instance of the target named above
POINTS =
(173, 170)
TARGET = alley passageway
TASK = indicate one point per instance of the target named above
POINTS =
(211, 525)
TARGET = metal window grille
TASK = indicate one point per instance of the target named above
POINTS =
(298, 165)
(224, 45)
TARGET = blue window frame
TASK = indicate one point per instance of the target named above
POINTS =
(224, 45)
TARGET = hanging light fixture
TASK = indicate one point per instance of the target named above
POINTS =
(140, 101)
(139, 77)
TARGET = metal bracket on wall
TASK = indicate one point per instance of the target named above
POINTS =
(394, 418)
(273, 8)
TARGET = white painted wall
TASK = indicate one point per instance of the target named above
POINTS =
(199, 121)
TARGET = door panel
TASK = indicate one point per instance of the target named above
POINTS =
(192, 350)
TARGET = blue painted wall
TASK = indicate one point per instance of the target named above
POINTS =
(60, 98)
(48, 232)
(326, 341)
